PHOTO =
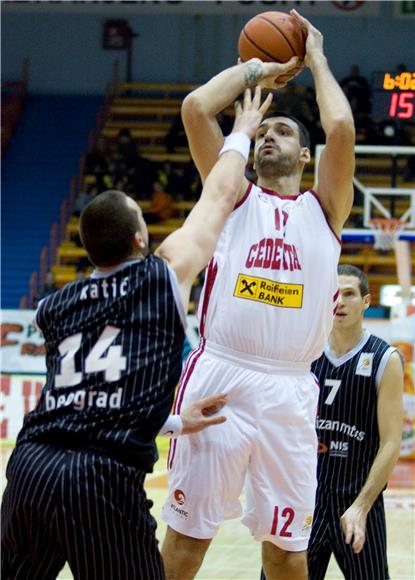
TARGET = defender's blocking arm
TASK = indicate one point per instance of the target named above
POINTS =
(189, 248)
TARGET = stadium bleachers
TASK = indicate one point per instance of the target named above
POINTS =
(148, 110)
(36, 178)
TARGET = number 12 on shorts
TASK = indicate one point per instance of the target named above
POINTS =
(282, 521)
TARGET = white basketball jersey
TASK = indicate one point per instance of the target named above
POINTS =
(271, 287)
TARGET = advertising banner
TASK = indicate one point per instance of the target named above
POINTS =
(21, 343)
(18, 396)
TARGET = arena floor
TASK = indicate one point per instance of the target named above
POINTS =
(235, 556)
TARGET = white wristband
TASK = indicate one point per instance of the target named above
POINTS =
(239, 142)
(173, 427)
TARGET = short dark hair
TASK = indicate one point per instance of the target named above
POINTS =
(348, 270)
(107, 228)
(305, 140)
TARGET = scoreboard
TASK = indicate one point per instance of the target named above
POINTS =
(394, 96)
(401, 91)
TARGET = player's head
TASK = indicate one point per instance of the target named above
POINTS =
(354, 297)
(282, 146)
(113, 230)
(363, 281)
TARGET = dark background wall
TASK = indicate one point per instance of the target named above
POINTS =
(184, 41)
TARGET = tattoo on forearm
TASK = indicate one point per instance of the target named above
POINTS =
(253, 73)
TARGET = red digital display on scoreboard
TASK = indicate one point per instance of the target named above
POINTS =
(402, 94)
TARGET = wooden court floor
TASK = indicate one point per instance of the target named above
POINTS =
(235, 556)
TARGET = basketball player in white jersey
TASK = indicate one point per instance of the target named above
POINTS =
(265, 314)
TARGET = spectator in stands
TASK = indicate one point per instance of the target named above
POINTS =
(161, 207)
(289, 100)
(367, 132)
(142, 176)
(126, 150)
(357, 90)
(96, 163)
(163, 174)
(132, 172)
(117, 173)
(192, 183)
(84, 197)
(124, 184)
(309, 114)
(175, 136)
(179, 184)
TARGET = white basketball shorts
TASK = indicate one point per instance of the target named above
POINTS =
(267, 445)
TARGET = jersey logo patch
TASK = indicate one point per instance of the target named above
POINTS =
(269, 292)
(306, 525)
(179, 496)
(364, 364)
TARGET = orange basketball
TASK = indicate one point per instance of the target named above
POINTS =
(273, 37)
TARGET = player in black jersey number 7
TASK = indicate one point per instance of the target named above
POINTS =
(113, 351)
(359, 426)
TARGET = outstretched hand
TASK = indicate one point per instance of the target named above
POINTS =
(249, 113)
(203, 413)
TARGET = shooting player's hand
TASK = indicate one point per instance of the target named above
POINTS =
(203, 413)
(314, 42)
(269, 72)
(353, 523)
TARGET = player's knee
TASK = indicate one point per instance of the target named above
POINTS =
(182, 555)
(277, 561)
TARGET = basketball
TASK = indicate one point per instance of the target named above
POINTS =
(273, 37)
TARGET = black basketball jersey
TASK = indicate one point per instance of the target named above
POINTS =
(113, 356)
(347, 414)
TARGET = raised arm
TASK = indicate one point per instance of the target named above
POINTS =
(337, 162)
(189, 249)
(201, 107)
(390, 420)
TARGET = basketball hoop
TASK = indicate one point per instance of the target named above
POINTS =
(386, 232)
